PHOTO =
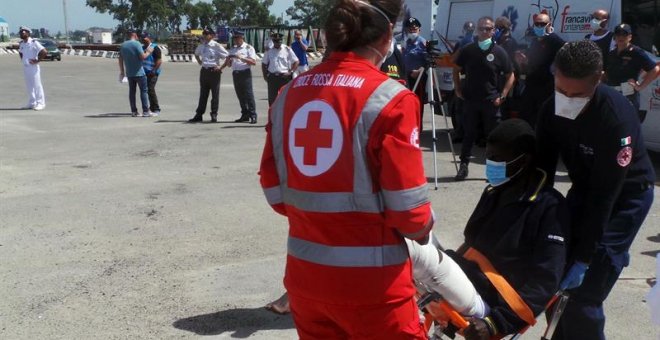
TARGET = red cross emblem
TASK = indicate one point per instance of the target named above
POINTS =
(624, 157)
(312, 137)
(314, 149)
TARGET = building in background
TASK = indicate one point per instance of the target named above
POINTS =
(101, 36)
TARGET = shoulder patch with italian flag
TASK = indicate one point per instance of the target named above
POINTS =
(626, 141)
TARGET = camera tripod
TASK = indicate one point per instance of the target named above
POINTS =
(428, 70)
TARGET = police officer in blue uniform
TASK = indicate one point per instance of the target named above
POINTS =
(625, 63)
(595, 131)
(414, 58)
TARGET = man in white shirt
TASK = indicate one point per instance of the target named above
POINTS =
(31, 52)
(278, 65)
(241, 58)
(210, 55)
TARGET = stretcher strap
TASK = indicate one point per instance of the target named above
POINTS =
(503, 287)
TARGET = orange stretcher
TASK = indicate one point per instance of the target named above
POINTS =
(438, 310)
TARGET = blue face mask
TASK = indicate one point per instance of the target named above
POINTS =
(539, 31)
(484, 45)
(498, 34)
(496, 172)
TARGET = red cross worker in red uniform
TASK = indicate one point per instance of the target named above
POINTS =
(342, 163)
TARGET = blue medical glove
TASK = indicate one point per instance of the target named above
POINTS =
(574, 277)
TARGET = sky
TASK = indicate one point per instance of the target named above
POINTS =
(50, 14)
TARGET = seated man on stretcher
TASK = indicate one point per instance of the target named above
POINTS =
(514, 253)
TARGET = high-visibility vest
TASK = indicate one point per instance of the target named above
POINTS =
(339, 248)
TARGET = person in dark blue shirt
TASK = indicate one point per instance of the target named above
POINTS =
(625, 64)
(595, 131)
(535, 64)
(485, 66)
(299, 47)
(521, 226)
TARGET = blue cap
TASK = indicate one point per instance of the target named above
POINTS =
(238, 32)
(145, 34)
(208, 31)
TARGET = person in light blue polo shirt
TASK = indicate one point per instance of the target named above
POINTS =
(131, 56)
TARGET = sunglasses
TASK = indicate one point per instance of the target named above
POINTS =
(486, 29)
(540, 24)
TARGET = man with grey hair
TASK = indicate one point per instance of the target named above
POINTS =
(484, 63)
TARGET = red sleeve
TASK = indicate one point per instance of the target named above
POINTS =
(398, 169)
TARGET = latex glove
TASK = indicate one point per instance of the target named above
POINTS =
(477, 330)
(574, 276)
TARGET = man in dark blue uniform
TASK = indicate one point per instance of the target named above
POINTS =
(597, 134)
(414, 58)
(625, 63)
(521, 226)
(535, 66)
(485, 66)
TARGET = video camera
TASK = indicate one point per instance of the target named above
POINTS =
(432, 52)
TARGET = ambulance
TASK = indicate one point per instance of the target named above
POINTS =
(443, 20)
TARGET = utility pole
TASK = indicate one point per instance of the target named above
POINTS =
(66, 23)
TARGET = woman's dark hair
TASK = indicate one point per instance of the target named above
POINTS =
(515, 135)
(579, 59)
(352, 24)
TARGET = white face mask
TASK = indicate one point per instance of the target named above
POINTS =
(595, 24)
(569, 107)
(413, 36)
(390, 51)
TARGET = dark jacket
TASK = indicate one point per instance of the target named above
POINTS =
(525, 240)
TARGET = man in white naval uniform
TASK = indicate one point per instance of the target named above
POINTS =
(31, 52)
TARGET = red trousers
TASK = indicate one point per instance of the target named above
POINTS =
(391, 321)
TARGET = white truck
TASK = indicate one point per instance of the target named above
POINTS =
(570, 19)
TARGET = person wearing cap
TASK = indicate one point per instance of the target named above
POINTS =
(152, 66)
(488, 80)
(534, 64)
(414, 59)
(299, 47)
(131, 56)
(595, 131)
(268, 42)
(242, 57)
(211, 56)
(278, 66)
(624, 65)
(467, 37)
(31, 52)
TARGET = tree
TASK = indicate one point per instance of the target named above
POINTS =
(201, 14)
(310, 12)
(244, 12)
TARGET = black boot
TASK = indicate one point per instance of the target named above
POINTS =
(196, 119)
(253, 120)
(243, 119)
(214, 118)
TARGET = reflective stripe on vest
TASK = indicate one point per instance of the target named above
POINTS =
(503, 287)
(348, 256)
(362, 198)
(273, 195)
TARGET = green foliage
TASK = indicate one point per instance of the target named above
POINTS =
(310, 12)
(158, 15)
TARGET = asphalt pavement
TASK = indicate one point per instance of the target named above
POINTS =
(114, 227)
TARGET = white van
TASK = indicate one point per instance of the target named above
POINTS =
(570, 19)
